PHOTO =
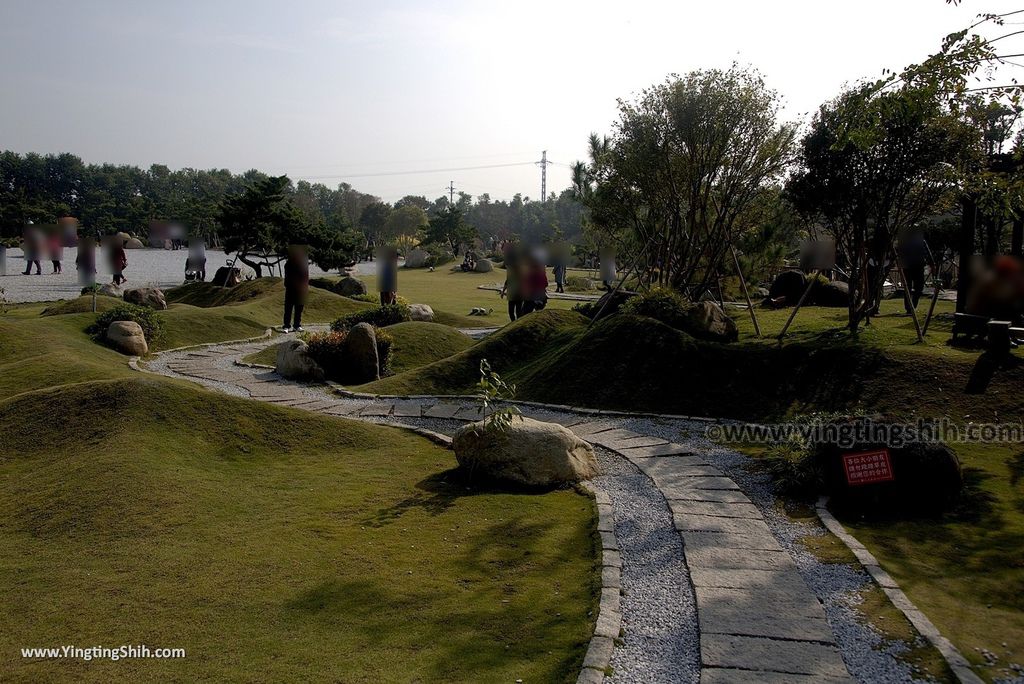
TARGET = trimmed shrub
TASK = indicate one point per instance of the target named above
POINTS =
(438, 254)
(328, 350)
(147, 318)
(379, 317)
(661, 304)
(576, 283)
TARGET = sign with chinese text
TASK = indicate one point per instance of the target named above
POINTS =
(867, 467)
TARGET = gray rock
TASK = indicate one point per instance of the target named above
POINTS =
(417, 258)
(294, 362)
(146, 296)
(110, 290)
(350, 287)
(835, 294)
(707, 321)
(361, 360)
(133, 243)
(528, 452)
(421, 312)
(128, 338)
(484, 266)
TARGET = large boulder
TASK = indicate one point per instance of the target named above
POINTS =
(350, 287)
(133, 243)
(146, 296)
(108, 289)
(128, 338)
(483, 266)
(360, 352)
(835, 293)
(707, 321)
(927, 478)
(528, 453)
(421, 312)
(295, 363)
(417, 258)
(788, 286)
(227, 276)
(611, 302)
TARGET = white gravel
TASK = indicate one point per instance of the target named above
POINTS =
(161, 268)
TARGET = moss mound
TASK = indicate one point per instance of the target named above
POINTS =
(82, 304)
(417, 344)
(206, 294)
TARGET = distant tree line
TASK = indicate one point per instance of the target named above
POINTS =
(108, 198)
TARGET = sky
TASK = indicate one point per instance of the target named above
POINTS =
(364, 92)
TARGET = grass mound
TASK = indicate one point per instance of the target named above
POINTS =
(82, 304)
(273, 544)
(207, 295)
(418, 344)
(505, 350)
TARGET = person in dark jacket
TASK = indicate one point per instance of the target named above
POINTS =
(118, 259)
(296, 287)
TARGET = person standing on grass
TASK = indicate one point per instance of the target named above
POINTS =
(608, 274)
(513, 287)
(296, 287)
(86, 262)
(387, 275)
(913, 258)
(536, 284)
(559, 273)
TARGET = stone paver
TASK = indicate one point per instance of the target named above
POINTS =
(377, 409)
(408, 410)
(441, 411)
(773, 655)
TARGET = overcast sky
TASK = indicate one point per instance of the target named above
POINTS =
(336, 91)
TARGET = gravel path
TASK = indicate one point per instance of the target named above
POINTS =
(660, 640)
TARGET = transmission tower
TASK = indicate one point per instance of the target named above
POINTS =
(451, 193)
(543, 164)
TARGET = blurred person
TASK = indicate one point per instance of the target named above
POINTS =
(536, 285)
(998, 292)
(608, 272)
(55, 250)
(513, 287)
(296, 287)
(117, 259)
(387, 275)
(195, 262)
(85, 262)
(914, 257)
(31, 246)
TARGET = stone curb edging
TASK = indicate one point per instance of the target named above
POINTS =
(956, 661)
(269, 332)
(598, 657)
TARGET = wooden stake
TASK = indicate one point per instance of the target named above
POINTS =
(810, 284)
(908, 301)
(746, 295)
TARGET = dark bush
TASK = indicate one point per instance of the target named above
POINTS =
(328, 350)
(379, 317)
(661, 304)
(148, 319)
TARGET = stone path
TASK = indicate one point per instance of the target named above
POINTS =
(758, 619)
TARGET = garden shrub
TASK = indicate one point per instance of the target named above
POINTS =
(328, 350)
(439, 255)
(148, 319)
(576, 283)
(661, 304)
(379, 316)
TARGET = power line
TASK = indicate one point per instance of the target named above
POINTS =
(419, 171)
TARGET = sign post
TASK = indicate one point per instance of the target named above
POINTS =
(867, 467)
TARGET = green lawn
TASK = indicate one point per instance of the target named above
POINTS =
(966, 571)
(270, 543)
(452, 294)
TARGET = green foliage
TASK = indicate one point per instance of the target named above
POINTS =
(588, 309)
(439, 254)
(575, 283)
(379, 316)
(328, 350)
(148, 319)
(792, 468)
(492, 388)
(385, 351)
(660, 303)
(449, 227)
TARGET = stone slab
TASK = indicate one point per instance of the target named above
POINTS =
(469, 414)
(789, 599)
(782, 585)
(379, 410)
(717, 508)
(408, 410)
(713, 523)
(441, 411)
(761, 623)
(738, 559)
(754, 653)
(759, 542)
(709, 495)
(659, 450)
(592, 427)
(344, 409)
(677, 488)
(724, 675)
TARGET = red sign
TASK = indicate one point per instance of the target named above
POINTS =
(867, 467)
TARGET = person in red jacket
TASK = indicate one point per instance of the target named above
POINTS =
(296, 287)
(536, 297)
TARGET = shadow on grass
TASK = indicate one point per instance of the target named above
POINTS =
(439, 492)
(985, 369)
